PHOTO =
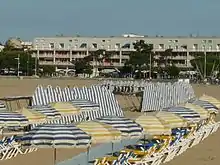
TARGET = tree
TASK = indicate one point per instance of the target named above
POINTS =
(48, 70)
(143, 57)
(212, 63)
(83, 67)
(173, 71)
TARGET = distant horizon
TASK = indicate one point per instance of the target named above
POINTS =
(30, 19)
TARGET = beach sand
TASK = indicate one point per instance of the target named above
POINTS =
(206, 153)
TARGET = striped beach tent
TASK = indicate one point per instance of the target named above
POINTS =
(56, 136)
(127, 126)
(186, 113)
(100, 132)
(12, 120)
(152, 125)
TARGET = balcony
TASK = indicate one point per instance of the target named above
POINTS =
(46, 63)
(63, 63)
(62, 55)
(45, 55)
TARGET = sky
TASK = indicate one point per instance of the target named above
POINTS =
(36, 18)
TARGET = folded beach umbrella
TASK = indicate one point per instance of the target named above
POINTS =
(127, 127)
(100, 132)
(173, 120)
(211, 99)
(46, 110)
(152, 125)
(186, 113)
(204, 114)
(33, 116)
(13, 120)
(65, 108)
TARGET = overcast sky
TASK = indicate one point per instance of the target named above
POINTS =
(34, 18)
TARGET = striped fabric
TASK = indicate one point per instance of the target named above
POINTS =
(83, 103)
(100, 132)
(211, 100)
(152, 125)
(157, 96)
(56, 136)
(12, 120)
(2, 107)
(173, 120)
(47, 110)
(206, 105)
(204, 114)
(127, 126)
(186, 113)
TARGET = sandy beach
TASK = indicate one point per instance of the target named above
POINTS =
(206, 153)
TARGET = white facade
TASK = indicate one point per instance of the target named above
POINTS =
(1, 47)
(60, 51)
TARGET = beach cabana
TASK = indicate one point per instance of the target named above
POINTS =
(46, 110)
(56, 136)
(127, 127)
(204, 114)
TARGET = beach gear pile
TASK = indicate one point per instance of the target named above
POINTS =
(78, 117)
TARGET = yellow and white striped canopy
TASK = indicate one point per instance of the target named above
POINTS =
(100, 132)
(211, 99)
(65, 108)
(204, 114)
(152, 125)
(33, 116)
(173, 120)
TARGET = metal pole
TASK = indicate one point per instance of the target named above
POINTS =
(205, 61)
(18, 65)
(35, 66)
(150, 66)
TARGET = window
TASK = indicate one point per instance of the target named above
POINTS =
(94, 45)
(203, 41)
(161, 46)
(176, 47)
(70, 40)
(117, 45)
(218, 46)
(209, 41)
(126, 46)
(195, 46)
(61, 45)
(103, 40)
(51, 45)
(176, 41)
(169, 47)
(83, 45)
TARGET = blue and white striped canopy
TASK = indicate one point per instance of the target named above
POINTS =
(82, 103)
(126, 126)
(186, 113)
(12, 120)
(206, 105)
(46, 110)
(56, 136)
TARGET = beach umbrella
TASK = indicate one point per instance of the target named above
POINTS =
(173, 120)
(46, 110)
(204, 114)
(153, 125)
(56, 136)
(127, 127)
(100, 132)
(33, 116)
(9, 119)
(185, 113)
(211, 99)
(206, 105)
(65, 108)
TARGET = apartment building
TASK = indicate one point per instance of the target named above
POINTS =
(61, 51)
